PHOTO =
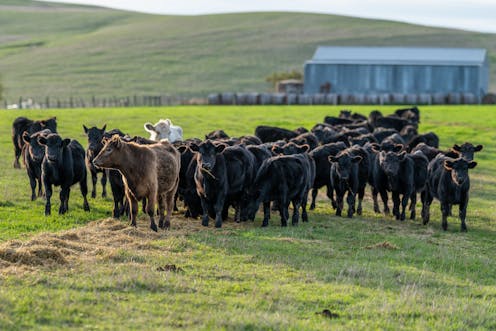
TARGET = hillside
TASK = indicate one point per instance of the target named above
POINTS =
(65, 50)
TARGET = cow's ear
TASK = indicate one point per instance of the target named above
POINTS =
(448, 165)
(66, 142)
(304, 148)
(332, 158)
(42, 140)
(168, 122)
(397, 148)
(194, 147)
(181, 149)
(375, 147)
(478, 148)
(85, 129)
(149, 127)
(220, 148)
(276, 149)
(104, 127)
(26, 137)
(356, 159)
(456, 148)
(472, 164)
(402, 155)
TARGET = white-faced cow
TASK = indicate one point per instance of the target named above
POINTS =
(164, 129)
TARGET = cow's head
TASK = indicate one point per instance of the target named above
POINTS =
(459, 169)
(109, 154)
(54, 146)
(50, 124)
(343, 163)
(390, 162)
(466, 150)
(290, 149)
(207, 154)
(35, 150)
(95, 137)
(161, 130)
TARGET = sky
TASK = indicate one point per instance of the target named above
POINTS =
(473, 15)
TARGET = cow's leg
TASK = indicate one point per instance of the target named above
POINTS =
(413, 203)
(48, 193)
(384, 198)
(83, 186)
(104, 183)
(404, 204)
(133, 208)
(94, 179)
(17, 153)
(396, 204)
(376, 202)
(361, 194)
(63, 198)
(463, 213)
(296, 215)
(219, 207)
(350, 199)
(32, 183)
(266, 210)
(315, 191)
(339, 202)
(445, 210)
(283, 207)
(169, 207)
(150, 210)
(426, 204)
(330, 195)
(304, 215)
(40, 187)
(204, 205)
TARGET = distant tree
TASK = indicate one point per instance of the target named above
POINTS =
(275, 77)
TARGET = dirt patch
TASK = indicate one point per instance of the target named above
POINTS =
(384, 245)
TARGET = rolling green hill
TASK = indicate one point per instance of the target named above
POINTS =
(65, 50)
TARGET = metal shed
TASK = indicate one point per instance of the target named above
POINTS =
(403, 70)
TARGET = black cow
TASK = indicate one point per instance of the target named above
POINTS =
(412, 114)
(430, 139)
(283, 179)
(222, 176)
(392, 122)
(322, 169)
(308, 138)
(217, 134)
(466, 150)
(332, 120)
(420, 163)
(33, 154)
(399, 171)
(63, 165)
(380, 133)
(23, 124)
(187, 187)
(428, 151)
(272, 133)
(449, 182)
(344, 178)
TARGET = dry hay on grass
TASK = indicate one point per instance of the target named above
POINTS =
(384, 245)
(97, 240)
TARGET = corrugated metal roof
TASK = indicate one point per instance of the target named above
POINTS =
(399, 55)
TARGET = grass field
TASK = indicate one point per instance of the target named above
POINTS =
(370, 273)
(61, 51)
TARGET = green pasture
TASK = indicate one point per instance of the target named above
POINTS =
(370, 272)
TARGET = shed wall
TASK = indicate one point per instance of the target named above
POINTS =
(354, 78)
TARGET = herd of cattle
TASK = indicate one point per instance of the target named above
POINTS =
(276, 165)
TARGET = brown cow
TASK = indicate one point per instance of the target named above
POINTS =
(148, 171)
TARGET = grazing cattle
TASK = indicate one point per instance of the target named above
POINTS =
(399, 171)
(164, 129)
(449, 182)
(261, 153)
(325, 135)
(390, 122)
(283, 179)
(216, 135)
(344, 178)
(322, 169)
(33, 154)
(222, 176)
(408, 132)
(362, 139)
(250, 140)
(355, 116)
(271, 133)
(148, 171)
(412, 114)
(289, 149)
(374, 115)
(23, 124)
(63, 165)
(428, 151)
(380, 133)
